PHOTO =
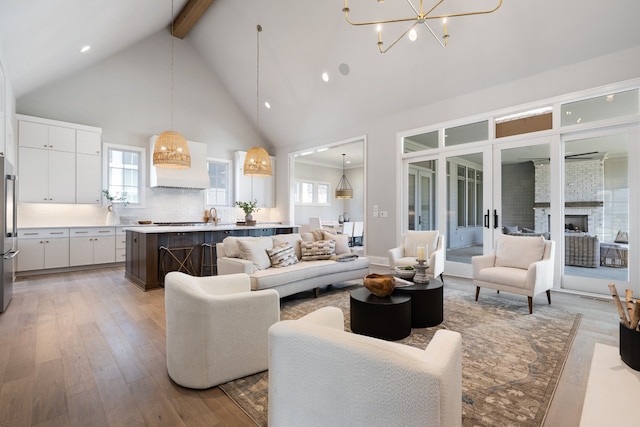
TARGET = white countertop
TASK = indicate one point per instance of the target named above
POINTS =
(151, 228)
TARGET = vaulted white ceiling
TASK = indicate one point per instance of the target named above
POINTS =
(302, 39)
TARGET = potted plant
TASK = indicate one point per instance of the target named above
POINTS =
(249, 208)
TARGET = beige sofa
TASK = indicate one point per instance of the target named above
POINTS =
(314, 265)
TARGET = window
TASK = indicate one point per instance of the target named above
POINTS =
(312, 193)
(124, 171)
(219, 193)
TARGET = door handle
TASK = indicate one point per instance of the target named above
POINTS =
(495, 218)
(486, 220)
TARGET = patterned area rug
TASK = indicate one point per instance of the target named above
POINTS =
(511, 361)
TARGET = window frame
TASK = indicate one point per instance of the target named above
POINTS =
(315, 185)
(142, 169)
(230, 192)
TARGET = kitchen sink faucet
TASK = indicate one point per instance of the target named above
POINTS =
(213, 216)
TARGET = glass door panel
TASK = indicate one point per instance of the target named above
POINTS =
(466, 213)
(421, 200)
(524, 190)
(596, 212)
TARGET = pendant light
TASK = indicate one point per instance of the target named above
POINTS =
(257, 161)
(171, 149)
(344, 190)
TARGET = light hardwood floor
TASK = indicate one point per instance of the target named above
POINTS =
(88, 349)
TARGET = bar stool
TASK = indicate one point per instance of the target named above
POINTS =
(206, 259)
(181, 255)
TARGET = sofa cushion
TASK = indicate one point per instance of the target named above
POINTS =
(322, 249)
(274, 277)
(518, 252)
(255, 250)
(413, 238)
(342, 241)
(507, 229)
(509, 277)
(231, 248)
(282, 255)
(317, 234)
(293, 239)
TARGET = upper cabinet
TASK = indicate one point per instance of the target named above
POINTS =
(58, 162)
(248, 188)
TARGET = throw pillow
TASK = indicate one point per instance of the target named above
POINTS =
(231, 248)
(322, 249)
(317, 234)
(518, 251)
(282, 255)
(342, 242)
(255, 250)
(292, 239)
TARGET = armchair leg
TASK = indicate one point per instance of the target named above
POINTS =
(477, 292)
(549, 295)
(530, 304)
(316, 292)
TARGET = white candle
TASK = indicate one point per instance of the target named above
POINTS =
(421, 253)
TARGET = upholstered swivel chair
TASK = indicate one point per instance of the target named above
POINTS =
(521, 265)
(216, 328)
(320, 375)
(405, 254)
(315, 222)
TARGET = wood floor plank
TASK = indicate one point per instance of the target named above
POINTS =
(118, 402)
(61, 421)
(85, 409)
(16, 398)
(155, 407)
(49, 397)
(95, 345)
(47, 341)
(22, 358)
(78, 375)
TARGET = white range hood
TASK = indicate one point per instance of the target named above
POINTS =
(195, 177)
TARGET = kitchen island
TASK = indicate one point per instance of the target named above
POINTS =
(153, 251)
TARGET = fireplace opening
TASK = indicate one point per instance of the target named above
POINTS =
(576, 223)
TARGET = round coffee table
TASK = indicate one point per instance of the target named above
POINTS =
(426, 302)
(388, 318)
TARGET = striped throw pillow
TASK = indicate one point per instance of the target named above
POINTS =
(321, 249)
(282, 255)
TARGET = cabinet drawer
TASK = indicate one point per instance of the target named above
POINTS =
(121, 242)
(40, 233)
(90, 231)
(121, 254)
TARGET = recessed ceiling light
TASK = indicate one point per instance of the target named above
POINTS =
(267, 105)
(85, 49)
(325, 77)
(413, 35)
(320, 150)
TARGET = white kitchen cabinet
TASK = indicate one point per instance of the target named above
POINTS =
(90, 245)
(42, 248)
(249, 188)
(58, 162)
(121, 244)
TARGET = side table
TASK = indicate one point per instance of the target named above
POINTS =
(388, 318)
(426, 302)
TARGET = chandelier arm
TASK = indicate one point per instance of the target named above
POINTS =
(387, 21)
(435, 36)
(395, 41)
(454, 15)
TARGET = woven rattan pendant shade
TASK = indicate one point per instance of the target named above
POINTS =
(257, 161)
(171, 151)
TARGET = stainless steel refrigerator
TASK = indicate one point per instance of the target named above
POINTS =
(8, 220)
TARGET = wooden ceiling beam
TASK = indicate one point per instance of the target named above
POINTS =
(189, 16)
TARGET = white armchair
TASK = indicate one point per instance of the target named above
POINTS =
(217, 328)
(405, 254)
(521, 265)
(320, 375)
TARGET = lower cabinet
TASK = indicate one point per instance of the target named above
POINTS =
(43, 248)
(92, 246)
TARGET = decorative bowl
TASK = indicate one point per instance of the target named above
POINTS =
(144, 222)
(405, 273)
(380, 285)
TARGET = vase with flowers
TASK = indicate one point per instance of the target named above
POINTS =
(249, 208)
(121, 199)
